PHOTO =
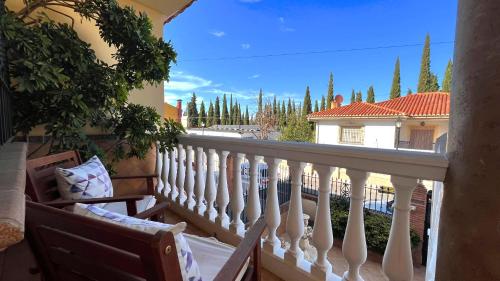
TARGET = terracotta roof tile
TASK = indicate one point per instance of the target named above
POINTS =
(415, 105)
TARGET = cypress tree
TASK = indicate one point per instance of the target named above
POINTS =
(283, 114)
(322, 107)
(353, 96)
(247, 116)
(217, 111)
(259, 102)
(434, 85)
(289, 109)
(202, 116)
(294, 108)
(396, 82)
(237, 114)
(275, 109)
(231, 111)
(307, 107)
(210, 117)
(370, 95)
(446, 85)
(193, 112)
(409, 92)
(427, 81)
(316, 106)
(329, 97)
(359, 97)
(224, 117)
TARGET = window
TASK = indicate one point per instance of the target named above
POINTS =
(352, 135)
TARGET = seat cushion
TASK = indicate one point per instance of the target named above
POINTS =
(121, 207)
(88, 180)
(211, 255)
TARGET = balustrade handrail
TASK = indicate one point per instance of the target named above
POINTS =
(414, 164)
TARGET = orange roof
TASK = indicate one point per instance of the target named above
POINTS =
(434, 104)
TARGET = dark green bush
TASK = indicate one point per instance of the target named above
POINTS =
(377, 226)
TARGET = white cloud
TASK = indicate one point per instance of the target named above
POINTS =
(218, 33)
(250, 1)
(255, 76)
(180, 81)
(283, 26)
(245, 46)
(281, 19)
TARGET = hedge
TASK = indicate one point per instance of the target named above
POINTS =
(377, 226)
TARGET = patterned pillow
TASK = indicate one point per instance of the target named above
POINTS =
(189, 267)
(89, 180)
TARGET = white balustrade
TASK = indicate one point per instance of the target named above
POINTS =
(199, 208)
(397, 263)
(173, 175)
(181, 174)
(253, 207)
(405, 167)
(354, 244)
(164, 174)
(222, 198)
(237, 201)
(189, 182)
(158, 170)
(272, 211)
(210, 188)
(322, 231)
(295, 217)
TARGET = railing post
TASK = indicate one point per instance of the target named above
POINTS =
(189, 182)
(199, 208)
(354, 245)
(272, 212)
(173, 175)
(164, 174)
(222, 192)
(181, 173)
(322, 232)
(210, 189)
(295, 218)
(398, 263)
(237, 202)
(253, 203)
(158, 169)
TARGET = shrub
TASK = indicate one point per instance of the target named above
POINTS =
(377, 226)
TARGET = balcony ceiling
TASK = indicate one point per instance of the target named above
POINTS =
(170, 8)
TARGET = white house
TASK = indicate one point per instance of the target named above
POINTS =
(414, 121)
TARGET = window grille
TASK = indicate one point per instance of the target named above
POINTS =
(352, 135)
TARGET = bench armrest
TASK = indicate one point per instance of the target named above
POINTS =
(250, 244)
(148, 178)
(153, 212)
(129, 200)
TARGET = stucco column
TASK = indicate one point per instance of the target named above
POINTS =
(469, 235)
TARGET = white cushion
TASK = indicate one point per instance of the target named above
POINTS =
(211, 255)
(121, 207)
(188, 264)
(88, 180)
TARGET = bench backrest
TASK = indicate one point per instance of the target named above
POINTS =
(41, 183)
(72, 247)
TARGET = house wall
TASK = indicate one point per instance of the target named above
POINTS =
(440, 127)
(170, 111)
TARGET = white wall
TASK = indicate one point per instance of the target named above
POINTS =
(213, 133)
(378, 133)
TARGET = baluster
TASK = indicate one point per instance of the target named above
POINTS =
(173, 175)
(295, 217)
(199, 208)
(164, 174)
(181, 173)
(272, 212)
(158, 169)
(253, 203)
(237, 202)
(189, 182)
(210, 189)
(354, 245)
(222, 192)
(397, 263)
(322, 232)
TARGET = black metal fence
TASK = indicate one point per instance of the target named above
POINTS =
(5, 102)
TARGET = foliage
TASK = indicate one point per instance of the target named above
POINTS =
(192, 111)
(202, 116)
(353, 96)
(231, 111)
(370, 95)
(217, 112)
(316, 106)
(427, 81)
(259, 102)
(307, 106)
(409, 92)
(224, 117)
(266, 121)
(210, 117)
(377, 226)
(329, 97)
(297, 129)
(60, 83)
(396, 82)
(359, 96)
(247, 117)
(446, 85)
(322, 106)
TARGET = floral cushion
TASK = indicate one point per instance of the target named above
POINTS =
(89, 180)
(189, 267)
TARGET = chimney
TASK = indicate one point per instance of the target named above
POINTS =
(337, 101)
(179, 110)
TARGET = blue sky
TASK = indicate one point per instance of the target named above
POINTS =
(222, 47)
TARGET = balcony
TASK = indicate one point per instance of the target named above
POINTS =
(195, 180)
